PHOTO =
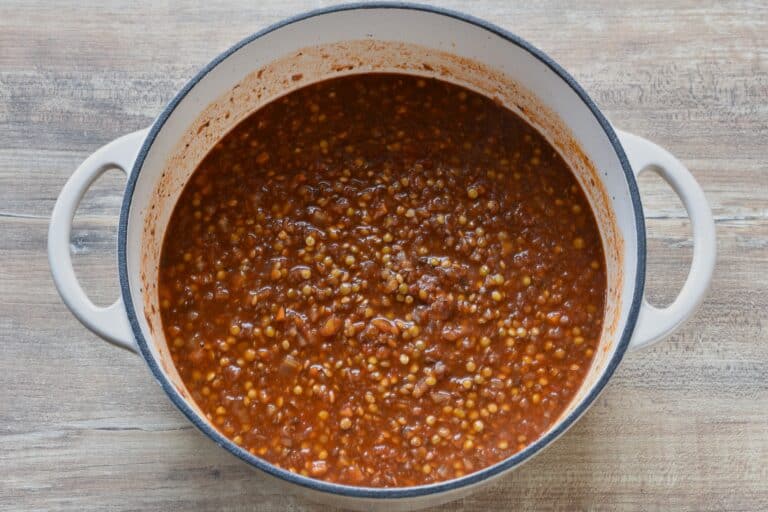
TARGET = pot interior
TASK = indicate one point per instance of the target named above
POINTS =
(378, 40)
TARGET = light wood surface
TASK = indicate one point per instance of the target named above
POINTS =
(682, 426)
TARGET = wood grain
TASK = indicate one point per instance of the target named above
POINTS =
(682, 426)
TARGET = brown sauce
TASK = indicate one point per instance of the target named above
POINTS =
(382, 280)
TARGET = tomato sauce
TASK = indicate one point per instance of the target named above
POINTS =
(382, 280)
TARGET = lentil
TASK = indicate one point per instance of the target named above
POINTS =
(364, 268)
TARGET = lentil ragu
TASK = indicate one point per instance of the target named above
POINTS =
(382, 280)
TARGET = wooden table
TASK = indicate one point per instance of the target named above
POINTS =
(683, 425)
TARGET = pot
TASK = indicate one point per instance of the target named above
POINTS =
(387, 37)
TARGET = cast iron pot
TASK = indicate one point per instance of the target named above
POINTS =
(364, 38)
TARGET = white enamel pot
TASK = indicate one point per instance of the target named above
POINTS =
(363, 38)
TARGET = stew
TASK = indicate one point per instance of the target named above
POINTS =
(382, 280)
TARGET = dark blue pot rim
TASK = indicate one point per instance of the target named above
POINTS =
(370, 492)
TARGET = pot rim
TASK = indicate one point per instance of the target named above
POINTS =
(384, 492)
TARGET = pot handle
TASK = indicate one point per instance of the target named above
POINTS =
(111, 322)
(654, 324)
